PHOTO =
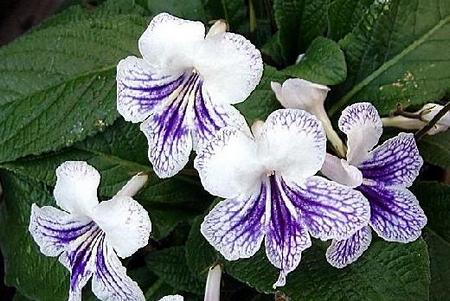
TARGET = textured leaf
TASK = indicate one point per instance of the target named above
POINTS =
(323, 63)
(57, 84)
(36, 276)
(192, 9)
(170, 265)
(387, 271)
(299, 22)
(399, 54)
(436, 149)
(262, 101)
(235, 12)
(435, 200)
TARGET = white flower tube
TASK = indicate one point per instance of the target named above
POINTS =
(212, 292)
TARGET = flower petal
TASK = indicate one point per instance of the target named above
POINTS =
(228, 165)
(169, 44)
(53, 229)
(292, 143)
(286, 235)
(344, 252)
(126, 224)
(110, 281)
(210, 118)
(139, 90)
(234, 227)
(340, 171)
(76, 187)
(231, 67)
(395, 212)
(396, 162)
(363, 127)
(328, 209)
(172, 298)
(168, 130)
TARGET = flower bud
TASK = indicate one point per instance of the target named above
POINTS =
(296, 93)
(220, 26)
(212, 291)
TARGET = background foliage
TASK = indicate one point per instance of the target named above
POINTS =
(57, 103)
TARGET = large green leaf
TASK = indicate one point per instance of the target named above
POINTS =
(436, 149)
(435, 200)
(235, 12)
(57, 83)
(35, 276)
(323, 63)
(170, 265)
(192, 9)
(398, 54)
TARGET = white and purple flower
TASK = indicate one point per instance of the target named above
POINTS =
(184, 86)
(86, 235)
(382, 175)
(271, 191)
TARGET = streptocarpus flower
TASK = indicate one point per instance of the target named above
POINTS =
(271, 191)
(382, 175)
(87, 235)
(183, 87)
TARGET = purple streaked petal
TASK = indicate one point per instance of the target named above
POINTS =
(209, 118)
(363, 127)
(80, 257)
(328, 209)
(344, 252)
(286, 235)
(110, 281)
(53, 229)
(168, 130)
(396, 162)
(395, 212)
(139, 90)
(235, 226)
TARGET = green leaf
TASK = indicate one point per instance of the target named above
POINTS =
(35, 276)
(191, 9)
(323, 63)
(57, 83)
(299, 22)
(170, 265)
(435, 200)
(387, 271)
(235, 12)
(399, 54)
(262, 101)
(435, 149)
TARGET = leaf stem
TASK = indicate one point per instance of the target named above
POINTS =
(149, 294)
(423, 131)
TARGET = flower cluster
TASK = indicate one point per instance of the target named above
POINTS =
(182, 91)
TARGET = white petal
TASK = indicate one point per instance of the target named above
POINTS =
(172, 298)
(340, 171)
(234, 227)
(344, 252)
(76, 187)
(230, 66)
(126, 224)
(228, 165)
(170, 43)
(110, 281)
(293, 143)
(140, 90)
(363, 127)
(296, 93)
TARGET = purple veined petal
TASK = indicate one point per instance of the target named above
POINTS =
(110, 280)
(234, 227)
(80, 259)
(210, 118)
(395, 212)
(140, 91)
(363, 127)
(53, 229)
(396, 162)
(329, 210)
(286, 235)
(344, 252)
(168, 130)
